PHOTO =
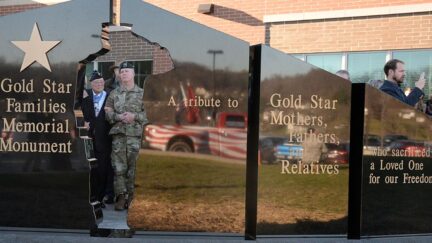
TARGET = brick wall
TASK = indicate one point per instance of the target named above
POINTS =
(162, 61)
(240, 18)
(361, 34)
(127, 46)
(298, 6)
(4, 10)
(243, 18)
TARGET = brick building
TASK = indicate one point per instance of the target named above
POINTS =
(356, 35)
(148, 58)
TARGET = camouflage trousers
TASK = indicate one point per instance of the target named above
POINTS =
(125, 150)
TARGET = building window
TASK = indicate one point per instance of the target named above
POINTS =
(364, 66)
(299, 56)
(329, 62)
(417, 62)
(104, 69)
(142, 70)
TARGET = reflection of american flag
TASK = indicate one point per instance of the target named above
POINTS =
(192, 112)
(192, 115)
(224, 142)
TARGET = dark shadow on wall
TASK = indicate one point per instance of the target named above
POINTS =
(267, 34)
(236, 15)
(304, 226)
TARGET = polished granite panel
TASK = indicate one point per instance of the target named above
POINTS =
(397, 167)
(303, 140)
(191, 176)
(44, 172)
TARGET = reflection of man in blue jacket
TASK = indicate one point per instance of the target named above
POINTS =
(395, 72)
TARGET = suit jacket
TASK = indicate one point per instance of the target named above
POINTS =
(394, 90)
(99, 127)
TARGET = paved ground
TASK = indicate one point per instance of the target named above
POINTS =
(114, 219)
(11, 235)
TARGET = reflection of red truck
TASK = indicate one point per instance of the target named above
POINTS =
(227, 139)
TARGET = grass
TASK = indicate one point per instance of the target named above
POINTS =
(174, 179)
(302, 204)
(327, 193)
(189, 194)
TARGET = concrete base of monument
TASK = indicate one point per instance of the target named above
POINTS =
(114, 223)
(113, 219)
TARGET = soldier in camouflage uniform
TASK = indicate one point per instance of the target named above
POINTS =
(124, 109)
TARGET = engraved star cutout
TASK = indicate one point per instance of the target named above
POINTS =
(35, 49)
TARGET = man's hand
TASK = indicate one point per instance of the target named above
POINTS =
(127, 117)
(87, 125)
(421, 82)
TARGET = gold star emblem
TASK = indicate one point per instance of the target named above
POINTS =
(35, 49)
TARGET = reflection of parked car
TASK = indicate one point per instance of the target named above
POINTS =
(267, 147)
(336, 153)
(408, 148)
(388, 139)
(371, 143)
(289, 151)
(227, 139)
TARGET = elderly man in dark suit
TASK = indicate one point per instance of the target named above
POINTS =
(94, 117)
(395, 72)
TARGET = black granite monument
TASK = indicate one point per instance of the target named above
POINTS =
(44, 171)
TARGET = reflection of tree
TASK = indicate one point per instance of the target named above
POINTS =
(388, 116)
(365, 77)
(159, 89)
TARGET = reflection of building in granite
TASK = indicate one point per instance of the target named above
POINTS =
(282, 27)
(148, 58)
(155, 72)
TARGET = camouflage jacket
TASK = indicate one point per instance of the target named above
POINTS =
(121, 100)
